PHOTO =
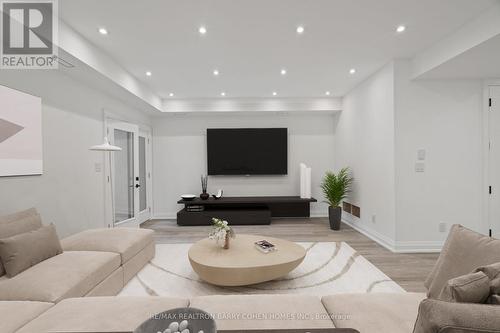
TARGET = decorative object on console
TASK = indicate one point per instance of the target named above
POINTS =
(221, 232)
(195, 208)
(305, 181)
(188, 197)
(204, 183)
(218, 195)
(336, 187)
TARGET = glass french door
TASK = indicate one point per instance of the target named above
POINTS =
(145, 189)
(130, 174)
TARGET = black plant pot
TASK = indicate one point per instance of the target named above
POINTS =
(204, 196)
(335, 216)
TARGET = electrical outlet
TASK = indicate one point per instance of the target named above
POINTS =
(442, 226)
(374, 218)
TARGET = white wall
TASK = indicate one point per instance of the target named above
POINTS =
(70, 192)
(179, 150)
(444, 117)
(384, 122)
(364, 141)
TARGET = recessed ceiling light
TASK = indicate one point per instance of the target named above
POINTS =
(216, 72)
(283, 71)
(327, 93)
(400, 29)
(103, 31)
(223, 94)
(148, 73)
(275, 93)
(300, 29)
(352, 71)
(202, 30)
(171, 95)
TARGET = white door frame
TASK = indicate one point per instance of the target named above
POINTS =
(134, 129)
(487, 223)
(146, 214)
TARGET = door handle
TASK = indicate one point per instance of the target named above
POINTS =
(137, 185)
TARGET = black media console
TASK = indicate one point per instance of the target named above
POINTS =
(243, 210)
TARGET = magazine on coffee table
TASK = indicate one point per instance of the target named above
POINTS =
(265, 247)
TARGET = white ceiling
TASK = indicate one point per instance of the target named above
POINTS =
(250, 41)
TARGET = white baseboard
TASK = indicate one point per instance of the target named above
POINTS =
(313, 214)
(397, 246)
(383, 240)
(419, 247)
(164, 216)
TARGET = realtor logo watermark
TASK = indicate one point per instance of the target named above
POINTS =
(29, 34)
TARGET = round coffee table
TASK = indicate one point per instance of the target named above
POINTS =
(242, 264)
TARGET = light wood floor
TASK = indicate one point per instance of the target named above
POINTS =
(408, 270)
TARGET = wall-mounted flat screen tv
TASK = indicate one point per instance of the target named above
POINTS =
(247, 151)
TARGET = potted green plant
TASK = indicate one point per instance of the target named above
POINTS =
(336, 187)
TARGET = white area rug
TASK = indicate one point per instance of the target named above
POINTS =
(328, 268)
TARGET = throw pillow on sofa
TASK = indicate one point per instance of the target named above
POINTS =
(492, 271)
(17, 216)
(23, 251)
(438, 316)
(469, 288)
(463, 251)
(18, 223)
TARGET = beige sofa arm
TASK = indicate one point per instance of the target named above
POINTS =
(444, 317)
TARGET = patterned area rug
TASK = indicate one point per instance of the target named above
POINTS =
(328, 268)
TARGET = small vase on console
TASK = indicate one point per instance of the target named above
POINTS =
(204, 182)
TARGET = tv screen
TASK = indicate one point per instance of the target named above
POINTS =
(247, 151)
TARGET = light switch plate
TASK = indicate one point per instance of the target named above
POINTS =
(98, 167)
(419, 167)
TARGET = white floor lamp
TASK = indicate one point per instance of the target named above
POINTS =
(106, 147)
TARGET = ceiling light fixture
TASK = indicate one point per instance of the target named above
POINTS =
(202, 30)
(300, 29)
(400, 29)
(223, 94)
(327, 93)
(275, 93)
(216, 72)
(352, 71)
(148, 73)
(103, 31)
(283, 71)
(171, 94)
